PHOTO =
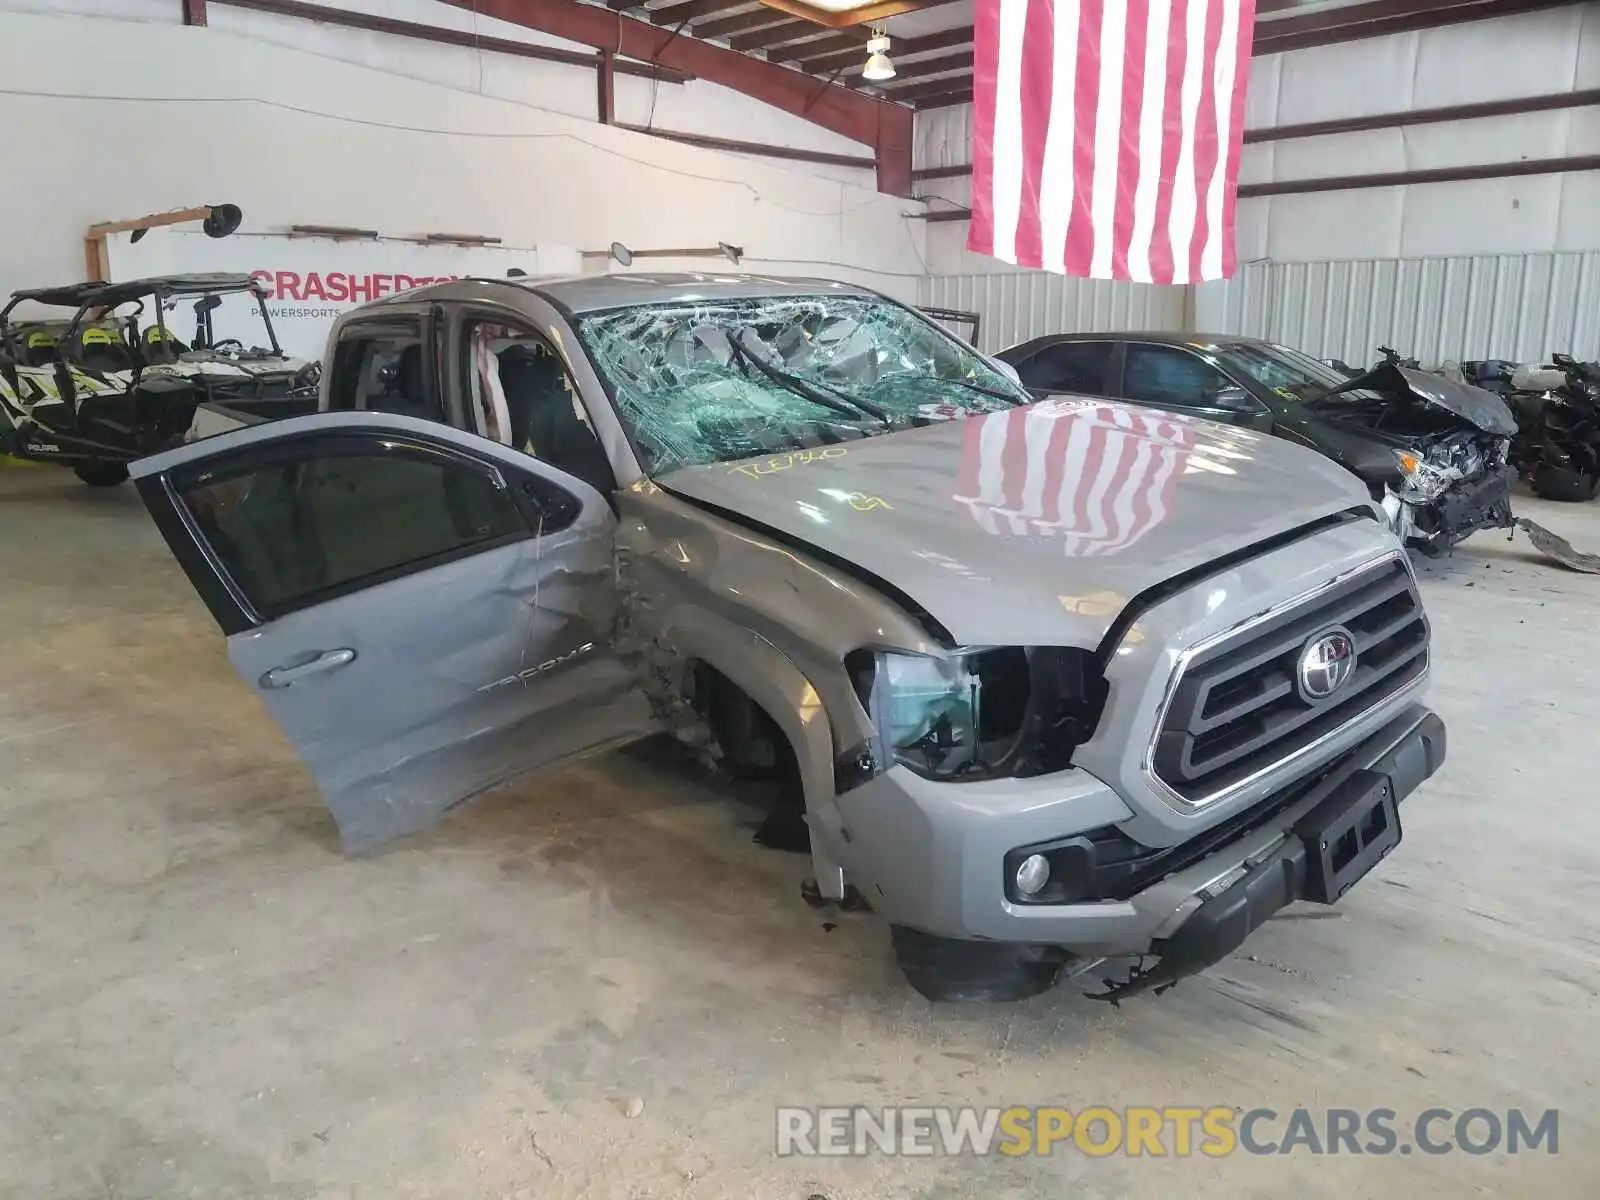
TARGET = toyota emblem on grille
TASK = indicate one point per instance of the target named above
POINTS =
(1326, 663)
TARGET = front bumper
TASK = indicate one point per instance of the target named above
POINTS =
(932, 856)
(1482, 502)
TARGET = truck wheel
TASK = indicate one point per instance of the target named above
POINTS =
(102, 474)
(754, 749)
(950, 971)
(1558, 483)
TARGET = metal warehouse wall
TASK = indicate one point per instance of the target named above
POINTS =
(1515, 306)
(1014, 306)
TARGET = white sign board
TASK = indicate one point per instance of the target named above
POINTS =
(311, 282)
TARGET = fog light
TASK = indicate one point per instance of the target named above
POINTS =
(1033, 874)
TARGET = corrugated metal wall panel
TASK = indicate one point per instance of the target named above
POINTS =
(1516, 306)
(1017, 305)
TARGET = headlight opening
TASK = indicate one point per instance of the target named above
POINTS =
(979, 713)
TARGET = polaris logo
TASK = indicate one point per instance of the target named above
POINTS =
(543, 668)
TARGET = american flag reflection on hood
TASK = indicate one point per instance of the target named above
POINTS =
(1097, 476)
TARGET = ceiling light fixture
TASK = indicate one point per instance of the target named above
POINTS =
(878, 67)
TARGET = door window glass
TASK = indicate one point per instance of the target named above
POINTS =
(297, 530)
(383, 369)
(520, 393)
(1078, 367)
(1170, 377)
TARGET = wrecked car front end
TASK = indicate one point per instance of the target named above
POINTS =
(1449, 489)
(1438, 450)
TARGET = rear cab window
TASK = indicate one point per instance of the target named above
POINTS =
(383, 366)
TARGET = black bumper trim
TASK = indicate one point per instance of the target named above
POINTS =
(1220, 925)
(1468, 506)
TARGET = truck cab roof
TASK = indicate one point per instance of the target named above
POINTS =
(596, 293)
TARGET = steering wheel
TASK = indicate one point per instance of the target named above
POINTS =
(234, 342)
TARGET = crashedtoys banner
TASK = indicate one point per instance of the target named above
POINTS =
(311, 282)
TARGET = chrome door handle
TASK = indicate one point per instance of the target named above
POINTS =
(329, 660)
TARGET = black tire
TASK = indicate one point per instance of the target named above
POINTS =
(1558, 483)
(102, 474)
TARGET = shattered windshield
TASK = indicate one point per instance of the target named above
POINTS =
(717, 380)
(1297, 376)
(1289, 373)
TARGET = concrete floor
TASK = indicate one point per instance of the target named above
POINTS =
(200, 997)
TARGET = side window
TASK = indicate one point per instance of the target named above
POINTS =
(302, 528)
(1170, 377)
(519, 392)
(1069, 367)
(382, 368)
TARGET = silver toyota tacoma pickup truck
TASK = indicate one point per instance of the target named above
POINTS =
(1046, 685)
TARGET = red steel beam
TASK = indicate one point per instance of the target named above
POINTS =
(446, 37)
(878, 123)
(607, 77)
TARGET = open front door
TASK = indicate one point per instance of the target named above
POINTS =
(424, 613)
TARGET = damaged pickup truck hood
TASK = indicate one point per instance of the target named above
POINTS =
(1033, 526)
(1477, 407)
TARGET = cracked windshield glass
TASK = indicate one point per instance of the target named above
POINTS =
(710, 382)
(1292, 375)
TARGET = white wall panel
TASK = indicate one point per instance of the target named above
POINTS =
(1017, 305)
(1521, 306)
(296, 138)
(693, 107)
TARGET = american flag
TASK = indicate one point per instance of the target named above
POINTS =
(1106, 135)
(1097, 476)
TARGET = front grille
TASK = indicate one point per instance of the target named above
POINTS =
(1237, 708)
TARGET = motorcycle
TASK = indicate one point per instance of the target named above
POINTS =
(1391, 357)
(1557, 447)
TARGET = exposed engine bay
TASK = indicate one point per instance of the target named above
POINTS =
(1450, 444)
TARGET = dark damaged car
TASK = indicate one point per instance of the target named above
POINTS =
(1434, 453)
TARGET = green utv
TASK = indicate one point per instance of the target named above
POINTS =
(115, 380)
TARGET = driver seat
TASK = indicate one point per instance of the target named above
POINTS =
(543, 420)
(97, 349)
(160, 344)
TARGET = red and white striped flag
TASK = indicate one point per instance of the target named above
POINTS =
(1106, 135)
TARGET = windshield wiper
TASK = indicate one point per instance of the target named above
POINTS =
(987, 391)
(839, 402)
